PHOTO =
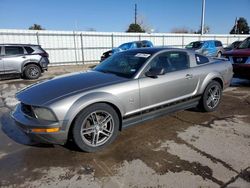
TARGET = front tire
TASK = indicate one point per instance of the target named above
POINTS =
(95, 127)
(32, 72)
(211, 97)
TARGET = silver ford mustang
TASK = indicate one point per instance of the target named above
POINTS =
(125, 89)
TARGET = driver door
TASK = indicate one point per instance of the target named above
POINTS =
(178, 82)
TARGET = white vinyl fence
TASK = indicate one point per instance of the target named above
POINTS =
(70, 47)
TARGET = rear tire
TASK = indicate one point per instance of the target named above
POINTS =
(95, 127)
(32, 71)
(211, 97)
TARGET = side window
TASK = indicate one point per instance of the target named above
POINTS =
(218, 43)
(200, 59)
(145, 44)
(13, 50)
(205, 45)
(29, 50)
(171, 61)
(139, 45)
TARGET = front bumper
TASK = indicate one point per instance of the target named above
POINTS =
(26, 124)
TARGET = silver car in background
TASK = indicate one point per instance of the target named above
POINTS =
(26, 60)
(126, 89)
(212, 48)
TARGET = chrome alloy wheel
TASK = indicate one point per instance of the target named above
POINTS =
(213, 97)
(97, 128)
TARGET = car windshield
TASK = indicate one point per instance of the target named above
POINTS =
(123, 64)
(126, 46)
(244, 44)
(194, 45)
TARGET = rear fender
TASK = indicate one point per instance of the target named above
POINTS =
(30, 61)
(211, 76)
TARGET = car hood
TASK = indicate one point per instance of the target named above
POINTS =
(238, 52)
(56, 88)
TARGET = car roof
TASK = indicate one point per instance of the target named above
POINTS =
(137, 41)
(206, 41)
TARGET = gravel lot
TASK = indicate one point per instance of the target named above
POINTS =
(184, 149)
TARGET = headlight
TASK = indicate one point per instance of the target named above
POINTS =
(43, 113)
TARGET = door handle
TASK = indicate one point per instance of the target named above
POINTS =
(24, 57)
(189, 76)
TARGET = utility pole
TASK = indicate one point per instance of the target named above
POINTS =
(135, 13)
(203, 16)
(236, 26)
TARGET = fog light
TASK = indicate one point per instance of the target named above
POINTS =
(49, 130)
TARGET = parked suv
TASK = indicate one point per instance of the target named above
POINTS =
(240, 58)
(209, 47)
(27, 60)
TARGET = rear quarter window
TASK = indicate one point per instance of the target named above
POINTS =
(29, 50)
(200, 59)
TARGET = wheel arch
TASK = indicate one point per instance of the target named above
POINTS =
(212, 77)
(77, 108)
(25, 64)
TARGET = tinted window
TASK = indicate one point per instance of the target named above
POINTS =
(139, 45)
(171, 61)
(218, 43)
(29, 50)
(194, 45)
(245, 44)
(126, 46)
(200, 59)
(146, 44)
(13, 50)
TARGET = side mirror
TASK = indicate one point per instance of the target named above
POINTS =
(155, 72)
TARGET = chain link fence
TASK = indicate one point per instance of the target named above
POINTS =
(71, 47)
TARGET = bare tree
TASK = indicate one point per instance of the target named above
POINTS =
(206, 30)
(142, 21)
(91, 29)
(180, 30)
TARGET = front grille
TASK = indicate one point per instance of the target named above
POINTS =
(239, 59)
(27, 110)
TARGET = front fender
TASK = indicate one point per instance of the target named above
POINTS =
(211, 76)
(89, 99)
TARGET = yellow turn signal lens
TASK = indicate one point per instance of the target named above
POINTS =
(49, 130)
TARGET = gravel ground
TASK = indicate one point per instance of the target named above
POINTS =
(184, 149)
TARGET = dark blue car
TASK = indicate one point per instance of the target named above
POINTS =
(209, 47)
(127, 46)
